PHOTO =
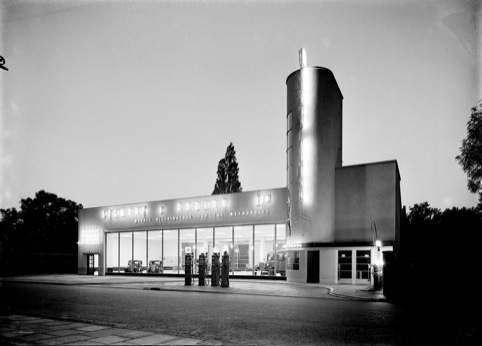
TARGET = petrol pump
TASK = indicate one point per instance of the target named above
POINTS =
(215, 270)
(188, 270)
(225, 270)
(202, 269)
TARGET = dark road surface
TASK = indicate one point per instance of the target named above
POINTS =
(230, 318)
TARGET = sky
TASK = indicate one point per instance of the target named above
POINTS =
(113, 102)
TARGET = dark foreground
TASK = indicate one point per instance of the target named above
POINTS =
(235, 318)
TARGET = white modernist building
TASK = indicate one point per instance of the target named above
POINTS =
(329, 224)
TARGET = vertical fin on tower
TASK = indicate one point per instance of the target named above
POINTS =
(302, 58)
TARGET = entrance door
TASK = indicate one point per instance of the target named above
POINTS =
(90, 265)
(313, 267)
(363, 266)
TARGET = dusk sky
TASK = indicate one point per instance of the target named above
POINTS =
(113, 102)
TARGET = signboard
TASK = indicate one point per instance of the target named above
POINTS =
(90, 236)
(188, 249)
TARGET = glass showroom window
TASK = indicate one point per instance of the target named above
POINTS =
(186, 239)
(264, 255)
(140, 250)
(112, 252)
(292, 260)
(171, 251)
(126, 251)
(363, 264)
(242, 259)
(154, 252)
(344, 264)
(224, 242)
(280, 254)
(205, 244)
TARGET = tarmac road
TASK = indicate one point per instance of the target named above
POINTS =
(229, 318)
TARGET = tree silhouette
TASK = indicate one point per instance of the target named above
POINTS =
(422, 223)
(436, 244)
(45, 225)
(228, 173)
(470, 157)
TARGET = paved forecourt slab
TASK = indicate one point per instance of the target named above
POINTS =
(32, 321)
(105, 332)
(34, 337)
(24, 318)
(65, 332)
(185, 341)
(56, 323)
(64, 340)
(111, 339)
(53, 332)
(132, 334)
(68, 326)
(92, 328)
(152, 339)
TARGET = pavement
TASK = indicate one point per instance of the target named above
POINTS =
(27, 330)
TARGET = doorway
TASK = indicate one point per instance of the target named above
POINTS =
(93, 264)
(363, 269)
(313, 267)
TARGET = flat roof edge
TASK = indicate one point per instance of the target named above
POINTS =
(373, 164)
(191, 197)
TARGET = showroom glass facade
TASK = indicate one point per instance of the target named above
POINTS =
(253, 249)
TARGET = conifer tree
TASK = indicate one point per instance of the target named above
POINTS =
(228, 173)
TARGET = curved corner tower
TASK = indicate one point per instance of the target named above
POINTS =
(314, 151)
